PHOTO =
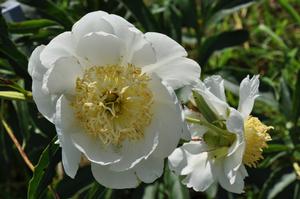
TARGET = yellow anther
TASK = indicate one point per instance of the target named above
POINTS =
(113, 103)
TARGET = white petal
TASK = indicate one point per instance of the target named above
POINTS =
(243, 171)
(112, 179)
(177, 160)
(235, 124)
(45, 103)
(101, 49)
(185, 94)
(215, 84)
(233, 162)
(196, 130)
(88, 145)
(132, 152)
(248, 93)
(183, 159)
(219, 107)
(236, 187)
(70, 159)
(63, 45)
(150, 169)
(70, 155)
(185, 134)
(120, 26)
(201, 177)
(166, 113)
(195, 153)
(141, 52)
(192, 160)
(94, 150)
(166, 108)
(172, 65)
(35, 68)
(62, 77)
(91, 22)
(165, 47)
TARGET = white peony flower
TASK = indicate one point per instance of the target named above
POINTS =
(223, 139)
(109, 90)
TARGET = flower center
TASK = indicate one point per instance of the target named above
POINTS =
(113, 103)
(256, 137)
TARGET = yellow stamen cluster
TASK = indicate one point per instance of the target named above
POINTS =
(256, 137)
(113, 103)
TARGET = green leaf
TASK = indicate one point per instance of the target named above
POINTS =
(285, 99)
(276, 148)
(227, 7)
(151, 191)
(68, 187)
(297, 191)
(204, 108)
(296, 100)
(30, 26)
(269, 160)
(51, 10)
(14, 95)
(96, 191)
(269, 182)
(289, 8)
(142, 14)
(230, 4)
(44, 170)
(221, 41)
(273, 36)
(175, 188)
(285, 181)
(9, 50)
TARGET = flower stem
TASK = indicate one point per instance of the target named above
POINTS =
(213, 128)
(19, 147)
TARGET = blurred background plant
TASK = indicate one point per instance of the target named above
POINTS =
(232, 38)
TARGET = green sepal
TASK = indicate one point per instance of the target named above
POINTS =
(204, 108)
(218, 140)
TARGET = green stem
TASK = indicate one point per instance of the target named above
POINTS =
(213, 128)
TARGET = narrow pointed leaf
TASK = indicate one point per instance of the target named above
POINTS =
(44, 170)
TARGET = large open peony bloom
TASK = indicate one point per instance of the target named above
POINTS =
(109, 90)
(223, 139)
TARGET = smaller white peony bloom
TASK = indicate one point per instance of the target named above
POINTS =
(109, 90)
(223, 139)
